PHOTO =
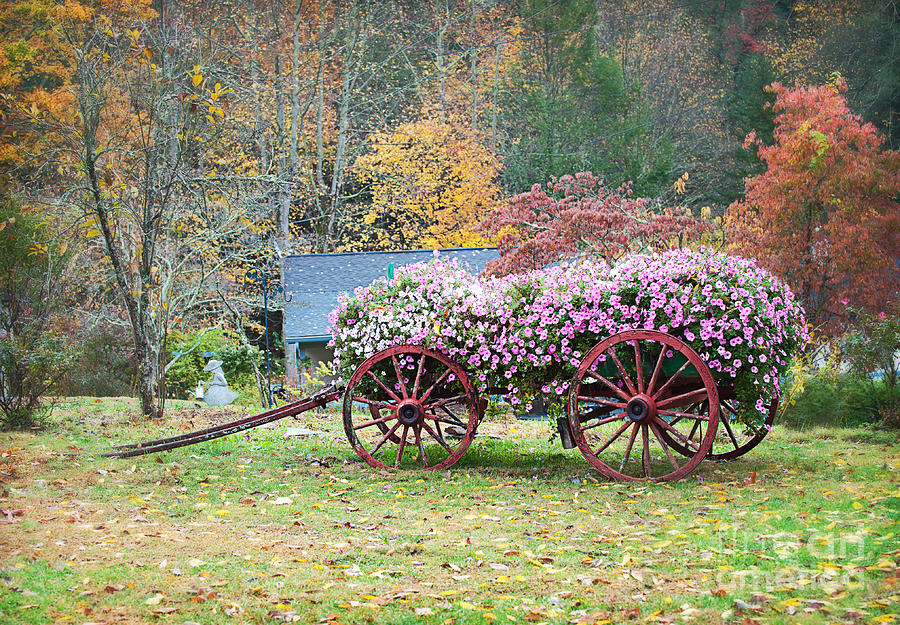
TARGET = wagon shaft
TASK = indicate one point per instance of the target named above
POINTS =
(321, 398)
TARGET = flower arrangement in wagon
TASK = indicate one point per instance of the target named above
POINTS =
(523, 335)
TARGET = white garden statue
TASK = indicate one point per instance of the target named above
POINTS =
(218, 393)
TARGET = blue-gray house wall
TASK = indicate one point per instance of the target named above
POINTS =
(313, 283)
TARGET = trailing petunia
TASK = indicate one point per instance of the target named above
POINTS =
(525, 334)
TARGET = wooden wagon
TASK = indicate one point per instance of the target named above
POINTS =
(642, 405)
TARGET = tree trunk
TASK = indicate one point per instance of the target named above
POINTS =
(495, 91)
(279, 139)
(320, 105)
(474, 71)
(287, 192)
(90, 104)
(441, 75)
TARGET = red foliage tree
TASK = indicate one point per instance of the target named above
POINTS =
(578, 215)
(824, 214)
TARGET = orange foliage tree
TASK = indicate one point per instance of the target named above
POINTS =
(824, 214)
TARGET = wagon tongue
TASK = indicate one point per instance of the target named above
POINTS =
(325, 396)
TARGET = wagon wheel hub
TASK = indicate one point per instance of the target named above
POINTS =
(409, 412)
(641, 408)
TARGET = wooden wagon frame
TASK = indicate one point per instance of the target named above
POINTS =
(642, 405)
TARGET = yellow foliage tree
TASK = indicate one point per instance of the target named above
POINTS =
(431, 184)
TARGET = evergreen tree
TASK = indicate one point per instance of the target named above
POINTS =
(569, 109)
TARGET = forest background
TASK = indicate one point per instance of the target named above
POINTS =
(152, 153)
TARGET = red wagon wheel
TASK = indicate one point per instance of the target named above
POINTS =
(628, 390)
(734, 438)
(409, 406)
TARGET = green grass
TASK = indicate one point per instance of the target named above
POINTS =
(802, 530)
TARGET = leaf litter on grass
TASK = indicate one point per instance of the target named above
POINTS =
(259, 528)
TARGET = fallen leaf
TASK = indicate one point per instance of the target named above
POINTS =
(165, 610)
(233, 609)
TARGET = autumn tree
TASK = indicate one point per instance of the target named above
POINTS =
(138, 154)
(824, 214)
(432, 183)
(580, 216)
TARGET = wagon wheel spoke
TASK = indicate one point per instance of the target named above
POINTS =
(628, 447)
(694, 429)
(373, 402)
(419, 369)
(374, 422)
(609, 384)
(684, 415)
(601, 400)
(700, 393)
(387, 435)
(728, 429)
(665, 447)
(437, 428)
(417, 431)
(638, 366)
(691, 444)
(454, 420)
(402, 446)
(437, 383)
(435, 436)
(670, 380)
(600, 422)
(625, 378)
(594, 413)
(656, 371)
(645, 457)
(613, 438)
(730, 410)
(399, 376)
(382, 385)
(440, 403)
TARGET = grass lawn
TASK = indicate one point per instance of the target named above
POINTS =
(257, 528)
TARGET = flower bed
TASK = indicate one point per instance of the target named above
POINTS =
(527, 333)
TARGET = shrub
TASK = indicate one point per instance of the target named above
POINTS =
(871, 349)
(34, 354)
(106, 366)
(829, 397)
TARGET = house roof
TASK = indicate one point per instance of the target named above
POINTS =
(313, 282)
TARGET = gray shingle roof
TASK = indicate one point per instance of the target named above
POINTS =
(314, 281)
